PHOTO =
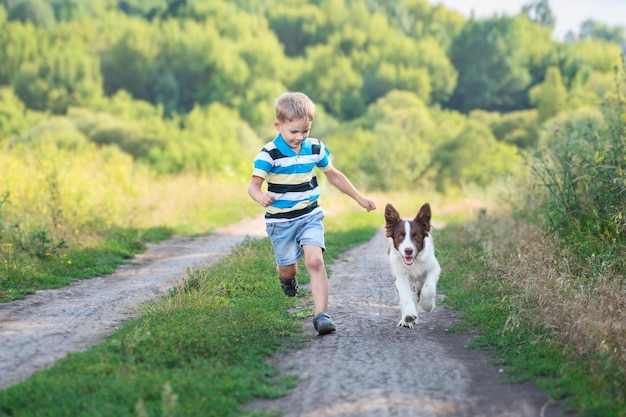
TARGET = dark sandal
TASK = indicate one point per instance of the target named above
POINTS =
(289, 286)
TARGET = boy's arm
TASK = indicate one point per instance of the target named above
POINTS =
(343, 184)
(254, 191)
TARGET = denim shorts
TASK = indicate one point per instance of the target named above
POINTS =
(288, 237)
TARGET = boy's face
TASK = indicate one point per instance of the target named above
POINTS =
(294, 132)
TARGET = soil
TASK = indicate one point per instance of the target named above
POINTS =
(369, 367)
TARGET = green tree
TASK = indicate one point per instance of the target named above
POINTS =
(389, 146)
(419, 19)
(19, 44)
(37, 12)
(58, 130)
(495, 59)
(145, 8)
(68, 10)
(15, 118)
(539, 11)
(332, 82)
(519, 128)
(62, 78)
(598, 54)
(595, 30)
(472, 156)
(130, 63)
(297, 27)
(550, 96)
(213, 140)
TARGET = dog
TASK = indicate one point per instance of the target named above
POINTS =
(411, 254)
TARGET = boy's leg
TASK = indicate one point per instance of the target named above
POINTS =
(314, 263)
(288, 281)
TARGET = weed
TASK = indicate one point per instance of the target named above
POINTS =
(584, 175)
(535, 308)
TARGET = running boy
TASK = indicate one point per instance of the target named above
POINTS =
(294, 218)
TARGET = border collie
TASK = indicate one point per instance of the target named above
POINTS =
(413, 264)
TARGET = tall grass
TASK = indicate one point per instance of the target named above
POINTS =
(68, 213)
(523, 292)
(584, 175)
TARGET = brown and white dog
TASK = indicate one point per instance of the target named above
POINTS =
(413, 264)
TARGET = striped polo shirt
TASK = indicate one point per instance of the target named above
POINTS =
(291, 177)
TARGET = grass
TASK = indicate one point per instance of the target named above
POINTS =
(60, 269)
(38, 252)
(530, 328)
(202, 349)
(199, 351)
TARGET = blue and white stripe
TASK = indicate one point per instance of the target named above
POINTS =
(291, 177)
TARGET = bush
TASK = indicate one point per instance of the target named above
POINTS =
(584, 173)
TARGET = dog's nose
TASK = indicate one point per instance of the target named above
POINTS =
(408, 251)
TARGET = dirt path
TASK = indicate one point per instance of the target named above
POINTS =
(42, 328)
(370, 367)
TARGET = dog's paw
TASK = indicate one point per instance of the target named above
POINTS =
(408, 321)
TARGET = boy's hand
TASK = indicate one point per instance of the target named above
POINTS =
(368, 205)
(267, 199)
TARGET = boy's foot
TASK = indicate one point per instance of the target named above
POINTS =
(323, 324)
(289, 286)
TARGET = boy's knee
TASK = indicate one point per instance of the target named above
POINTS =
(287, 271)
(314, 263)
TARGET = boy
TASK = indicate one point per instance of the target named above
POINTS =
(294, 218)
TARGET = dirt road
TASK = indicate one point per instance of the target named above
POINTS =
(368, 368)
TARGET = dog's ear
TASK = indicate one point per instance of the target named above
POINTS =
(423, 217)
(392, 217)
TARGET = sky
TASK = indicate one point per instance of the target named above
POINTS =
(569, 13)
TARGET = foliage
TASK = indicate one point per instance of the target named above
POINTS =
(495, 64)
(58, 80)
(539, 11)
(597, 30)
(598, 55)
(519, 128)
(584, 178)
(71, 210)
(550, 96)
(19, 44)
(15, 118)
(37, 12)
(138, 72)
(524, 296)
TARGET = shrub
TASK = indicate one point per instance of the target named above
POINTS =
(584, 174)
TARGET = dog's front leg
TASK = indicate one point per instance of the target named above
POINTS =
(407, 303)
(429, 290)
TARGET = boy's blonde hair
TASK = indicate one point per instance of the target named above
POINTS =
(294, 106)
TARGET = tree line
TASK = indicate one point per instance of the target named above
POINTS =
(406, 90)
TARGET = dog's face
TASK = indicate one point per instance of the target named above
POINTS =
(408, 235)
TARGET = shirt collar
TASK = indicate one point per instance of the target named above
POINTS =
(287, 150)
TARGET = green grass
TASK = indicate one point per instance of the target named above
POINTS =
(26, 274)
(525, 352)
(201, 351)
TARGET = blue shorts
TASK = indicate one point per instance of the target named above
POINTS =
(288, 237)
